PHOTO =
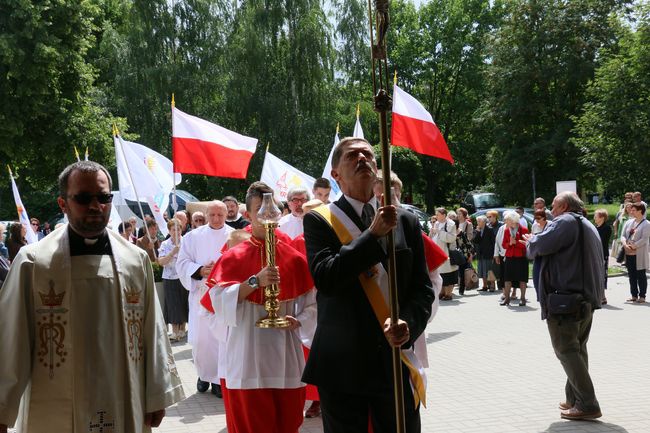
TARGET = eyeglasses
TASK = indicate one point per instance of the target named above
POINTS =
(84, 198)
(35, 224)
(298, 200)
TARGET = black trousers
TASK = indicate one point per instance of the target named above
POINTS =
(349, 413)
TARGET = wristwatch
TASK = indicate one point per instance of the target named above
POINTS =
(252, 281)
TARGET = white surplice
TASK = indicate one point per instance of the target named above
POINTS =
(85, 340)
(291, 225)
(260, 358)
(200, 247)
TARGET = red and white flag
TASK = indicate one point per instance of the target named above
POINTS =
(414, 128)
(201, 147)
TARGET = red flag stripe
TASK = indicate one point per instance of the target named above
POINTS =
(420, 136)
(195, 156)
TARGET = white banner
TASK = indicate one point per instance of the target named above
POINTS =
(327, 172)
(282, 177)
(30, 235)
(145, 175)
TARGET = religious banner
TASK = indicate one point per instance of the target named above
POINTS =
(358, 130)
(335, 193)
(282, 177)
(30, 235)
(145, 175)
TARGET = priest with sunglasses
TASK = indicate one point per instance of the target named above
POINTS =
(84, 341)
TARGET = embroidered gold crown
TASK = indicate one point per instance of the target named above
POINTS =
(132, 295)
(51, 299)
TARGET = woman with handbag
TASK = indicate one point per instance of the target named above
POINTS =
(622, 217)
(443, 233)
(635, 241)
(516, 263)
(464, 236)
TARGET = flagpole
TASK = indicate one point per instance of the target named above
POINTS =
(382, 104)
(116, 134)
(174, 202)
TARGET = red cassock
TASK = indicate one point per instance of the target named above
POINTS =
(267, 409)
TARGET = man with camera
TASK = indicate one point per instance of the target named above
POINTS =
(571, 287)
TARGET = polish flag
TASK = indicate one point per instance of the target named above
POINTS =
(414, 128)
(201, 147)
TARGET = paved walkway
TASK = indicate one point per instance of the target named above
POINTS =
(493, 370)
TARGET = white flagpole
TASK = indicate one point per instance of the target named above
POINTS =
(116, 133)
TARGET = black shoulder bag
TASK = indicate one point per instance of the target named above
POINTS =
(456, 257)
(565, 303)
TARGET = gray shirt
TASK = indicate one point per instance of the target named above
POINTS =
(563, 258)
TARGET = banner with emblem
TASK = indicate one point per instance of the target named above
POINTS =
(282, 176)
(30, 235)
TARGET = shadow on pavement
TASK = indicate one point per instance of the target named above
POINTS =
(188, 416)
(584, 426)
(432, 338)
(183, 355)
(454, 302)
(610, 307)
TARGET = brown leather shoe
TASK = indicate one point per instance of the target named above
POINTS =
(576, 414)
(563, 405)
(314, 410)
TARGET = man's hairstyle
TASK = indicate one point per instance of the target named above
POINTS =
(540, 199)
(441, 210)
(573, 202)
(492, 213)
(481, 218)
(84, 167)
(541, 213)
(151, 223)
(637, 193)
(340, 147)
(322, 182)
(602, 212)
(520, 208)
(230, 198)
(124, 225)
(256, 190)
(639, 206)
(296, 190)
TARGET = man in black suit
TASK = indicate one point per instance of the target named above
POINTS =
(350, 359)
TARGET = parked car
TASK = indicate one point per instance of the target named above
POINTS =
(476, 200)
(528, 214)
(423, 217)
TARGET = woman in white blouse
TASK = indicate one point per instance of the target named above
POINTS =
(176, 297)
(443, 233)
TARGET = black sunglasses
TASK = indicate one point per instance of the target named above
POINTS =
(84, 198)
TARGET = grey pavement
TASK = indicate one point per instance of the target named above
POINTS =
(493, 370)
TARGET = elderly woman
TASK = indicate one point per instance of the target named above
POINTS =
(176, 297)
(516, 263)
(635, 241)
(484, 246)
(443, 233)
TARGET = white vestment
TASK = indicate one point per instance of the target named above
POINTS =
(200, 247)
(260, 358)
(84, 340)
(291, 225)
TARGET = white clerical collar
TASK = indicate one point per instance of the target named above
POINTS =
(358, 205)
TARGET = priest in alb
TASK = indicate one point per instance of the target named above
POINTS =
(200, 250)
(85, 346)
(262, 369)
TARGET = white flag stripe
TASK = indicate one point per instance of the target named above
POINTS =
(140, 181)
(187, 126)
(23, 218)
(282, 176)
(358, 131)
(408, 106)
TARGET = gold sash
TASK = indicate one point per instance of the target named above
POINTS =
(376, 289)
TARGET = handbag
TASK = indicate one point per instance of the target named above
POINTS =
(471, 279)
(620, 257)
(564, 303)
(457, 258)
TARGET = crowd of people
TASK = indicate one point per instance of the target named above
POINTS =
(330, 261)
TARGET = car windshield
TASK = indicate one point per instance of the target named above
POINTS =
(487, 200)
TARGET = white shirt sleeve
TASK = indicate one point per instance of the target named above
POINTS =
(225, 302)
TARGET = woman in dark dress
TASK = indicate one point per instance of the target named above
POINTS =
(605, 233)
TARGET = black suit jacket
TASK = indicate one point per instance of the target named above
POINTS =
(349, 352)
